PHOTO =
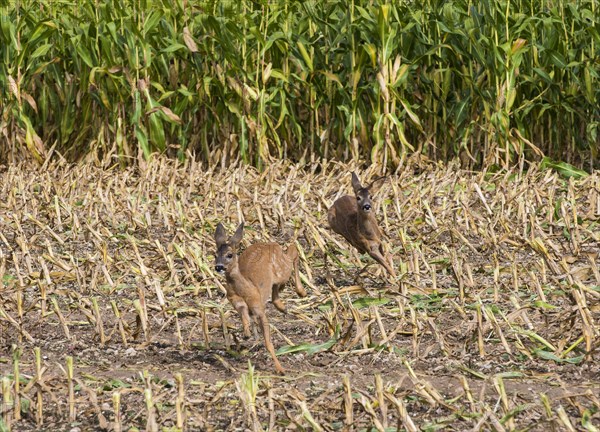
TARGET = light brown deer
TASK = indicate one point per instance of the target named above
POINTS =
(353, 217)
(260, 272)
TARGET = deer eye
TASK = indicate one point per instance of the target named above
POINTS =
(357, 198)
(229, 255)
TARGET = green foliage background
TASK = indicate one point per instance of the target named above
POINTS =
(492, 82)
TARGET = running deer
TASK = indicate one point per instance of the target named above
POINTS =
(353, 218)
(260, 272)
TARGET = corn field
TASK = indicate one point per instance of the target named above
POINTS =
(113, 318)
(489, 82)
(129, 129)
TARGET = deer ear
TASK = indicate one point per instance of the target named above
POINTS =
(376, 184)
(220, 236)
(236, 238)
(356, 186)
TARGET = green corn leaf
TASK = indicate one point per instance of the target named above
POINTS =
(557, 59)
(41, 29)
(174, 47)
(544, 75)
(332, 77)
(157, 132)
(563, 168)
(142, 137)
(307, 348)
(587, 421)
(364, 302)
(152, 20)
(371, 50)
(277, 73)
(83, 53)
(305, 55)
(41, 50)
(546, 355)
(414, 118)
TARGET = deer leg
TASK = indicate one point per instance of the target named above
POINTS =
(378, 256)
(277, 302)
(266, 330)
(389, 267)
(293, 256)
(389, 260)
(299, 288)
(391, 264)
(242, 308)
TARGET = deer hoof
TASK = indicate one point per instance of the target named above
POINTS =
(280, 305)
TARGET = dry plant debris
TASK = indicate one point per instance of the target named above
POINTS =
(111, 317)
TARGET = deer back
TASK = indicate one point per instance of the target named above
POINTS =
(265, 264)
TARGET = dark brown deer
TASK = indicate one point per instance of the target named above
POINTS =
(353, 217)
(259, 273)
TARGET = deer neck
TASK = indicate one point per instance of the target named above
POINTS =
(367, 223)
(238, 283)
(366, 219)
(234, 275)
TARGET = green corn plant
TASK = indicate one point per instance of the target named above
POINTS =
(489, 82)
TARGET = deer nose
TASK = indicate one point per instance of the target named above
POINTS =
(367, 207)
(219, 268)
